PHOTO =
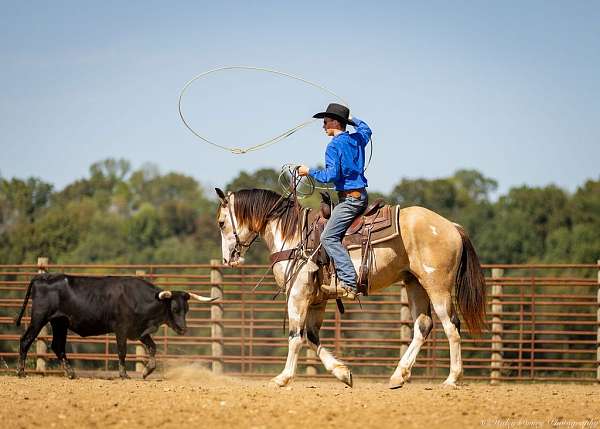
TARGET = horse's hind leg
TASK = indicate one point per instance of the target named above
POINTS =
(314, 320)
(297, 309)
(418, 301)
(442, 305)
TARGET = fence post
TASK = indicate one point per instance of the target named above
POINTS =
(311, 358)
(496, 363)
(405, 330)
(598, 333)
(140, 351)
(216, 315)
(41, 348)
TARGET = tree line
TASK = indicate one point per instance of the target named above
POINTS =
(120, 215)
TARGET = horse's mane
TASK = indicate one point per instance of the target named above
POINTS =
(255, 207)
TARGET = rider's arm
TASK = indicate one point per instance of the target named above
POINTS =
(363, 130)
(332, 170)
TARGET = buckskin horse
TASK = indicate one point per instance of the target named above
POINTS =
(430, 255)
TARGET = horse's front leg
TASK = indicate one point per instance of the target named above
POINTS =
(314, 320)
(297, 308)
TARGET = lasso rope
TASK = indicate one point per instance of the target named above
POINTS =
(287, 176)
(276, 139)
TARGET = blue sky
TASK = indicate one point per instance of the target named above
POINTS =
(508, 88)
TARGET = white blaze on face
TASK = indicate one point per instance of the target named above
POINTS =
(428, 269)
(227, 236)
(433, 230)
(228, 241)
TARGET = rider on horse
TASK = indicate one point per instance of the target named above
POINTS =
(344, 166)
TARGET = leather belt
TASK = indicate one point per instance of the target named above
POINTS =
(355, 193)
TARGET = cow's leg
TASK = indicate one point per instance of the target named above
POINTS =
(150, 347)
(442, 305)
(59, 344)
(418, 301)
(314, 320)
(297, 308)
(34, 328)
(122, 352)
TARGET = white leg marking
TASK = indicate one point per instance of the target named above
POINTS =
(286, 376)
(404, 368)
(335, 366)
(329, 360)
(297, 307)
(441, 309)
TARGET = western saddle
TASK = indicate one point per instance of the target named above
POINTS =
(378, 221)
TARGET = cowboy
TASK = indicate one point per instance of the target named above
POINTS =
(344, 166)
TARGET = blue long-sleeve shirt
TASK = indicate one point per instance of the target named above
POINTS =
(345, 159)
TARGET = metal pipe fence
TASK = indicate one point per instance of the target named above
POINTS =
(543, 324)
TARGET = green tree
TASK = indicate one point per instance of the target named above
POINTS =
(472, 186)
(439, 195)
(143, 229)
(264, 178)
(22, 199)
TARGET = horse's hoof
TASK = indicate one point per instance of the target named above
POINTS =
(21, 374)
(124, 376)
(348, 381)
(343, 374)
(280, 381)
(70, 375)
(450, 384)
(395, 383)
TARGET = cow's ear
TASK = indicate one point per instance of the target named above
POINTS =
(222, 196)
(186, 296)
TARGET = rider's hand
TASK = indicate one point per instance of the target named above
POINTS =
(303, 170)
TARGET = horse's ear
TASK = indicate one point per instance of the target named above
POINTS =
(221, 195)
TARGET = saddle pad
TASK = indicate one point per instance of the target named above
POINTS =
(385, 227)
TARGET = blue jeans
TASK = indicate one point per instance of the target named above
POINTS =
(341, 218)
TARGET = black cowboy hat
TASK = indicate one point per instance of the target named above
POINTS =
(336, 111)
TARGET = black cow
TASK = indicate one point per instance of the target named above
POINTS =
(130, 307)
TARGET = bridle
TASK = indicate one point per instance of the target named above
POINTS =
(239, 246)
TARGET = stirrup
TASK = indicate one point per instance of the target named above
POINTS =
(340, 290)
(350, 292)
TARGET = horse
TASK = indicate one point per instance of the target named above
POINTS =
(430, 256)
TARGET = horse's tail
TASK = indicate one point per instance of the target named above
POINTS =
(27, 294)
(470, 286)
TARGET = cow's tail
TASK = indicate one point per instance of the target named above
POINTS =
(470, 286)
(27, 294)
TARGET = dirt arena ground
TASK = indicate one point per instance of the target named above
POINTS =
(193, 397)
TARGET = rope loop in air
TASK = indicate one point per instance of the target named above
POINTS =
(272, 141)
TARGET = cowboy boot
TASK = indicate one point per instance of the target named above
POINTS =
(338, 289)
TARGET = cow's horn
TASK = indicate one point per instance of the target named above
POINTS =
(165, 294)
(201, 298)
